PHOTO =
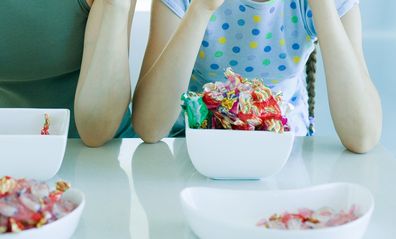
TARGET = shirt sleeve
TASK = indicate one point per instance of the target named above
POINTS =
(343, 7)
(179, 7)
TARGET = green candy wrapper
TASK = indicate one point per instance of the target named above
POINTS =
(196, 110)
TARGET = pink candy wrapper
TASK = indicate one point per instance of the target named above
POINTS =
(26, 204)
(309, 219)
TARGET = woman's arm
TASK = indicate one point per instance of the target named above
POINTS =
(354, 101)
(103, 90)
(169, 60)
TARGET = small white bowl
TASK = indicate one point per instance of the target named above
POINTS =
(24, 152)
(221, 213)
(63, 228)
(238, 154)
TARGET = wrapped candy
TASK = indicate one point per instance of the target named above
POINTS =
(195, 109)
(45, 129)
(26, 204)
(310, 219)
(238, 104)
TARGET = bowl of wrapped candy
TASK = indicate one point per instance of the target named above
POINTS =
(30, 209)
(237, 129)
(32, 142)
(332, 211)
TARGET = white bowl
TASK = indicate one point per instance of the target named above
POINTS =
(221, 213)
(63, 228)
(238, 154)
(24, 152)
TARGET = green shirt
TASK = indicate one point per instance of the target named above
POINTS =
(41, 47)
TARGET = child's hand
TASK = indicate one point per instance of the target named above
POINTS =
(211, 5)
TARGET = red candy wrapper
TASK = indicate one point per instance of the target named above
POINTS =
(309, 219)
(26, 204)
(45, 129)
(243, 104)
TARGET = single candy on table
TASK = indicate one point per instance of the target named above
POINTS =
(27, 204)
(309, 219)
(238, 103)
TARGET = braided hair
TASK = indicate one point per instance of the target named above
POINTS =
(310, 70)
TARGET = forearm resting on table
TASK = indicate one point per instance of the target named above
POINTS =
(354, 101)
(103, 91)
(156, 104)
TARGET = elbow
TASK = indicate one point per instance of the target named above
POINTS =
(95, 135)
(364, 132)
(364, 141)
(149, 135)
(94, 142)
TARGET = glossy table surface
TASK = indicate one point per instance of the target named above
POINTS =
(132, 189)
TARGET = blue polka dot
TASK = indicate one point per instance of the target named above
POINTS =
(249, 69)
(236, 49)
(293, 5)
(255, 31)
(205, 43)
(282, 68)
(214, 66)
(282, 56)
(282, 28)
(242, 8)
(296, 46)
(225, 26)
(309, 13)
(233, 63)
(239, 36)
(267, 48)
(241, 22)
(294, 98)
(272, 10)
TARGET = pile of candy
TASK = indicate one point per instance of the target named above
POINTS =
(310, 219)
(26, 204)
(238, 103)
(45, 129)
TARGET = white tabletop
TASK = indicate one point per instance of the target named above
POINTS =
(132, 189)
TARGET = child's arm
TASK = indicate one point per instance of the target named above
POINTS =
(354, 101)
(103, 91)
(170, 57)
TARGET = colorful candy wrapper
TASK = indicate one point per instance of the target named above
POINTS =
(26, 204)
(309, 219)
(45, 129)
(196, 110)
(238, 104)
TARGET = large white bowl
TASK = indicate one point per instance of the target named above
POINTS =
(221, 213)
(238, 154)
(63, 228)
(24, 152)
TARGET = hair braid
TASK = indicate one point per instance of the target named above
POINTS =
(310, 80)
